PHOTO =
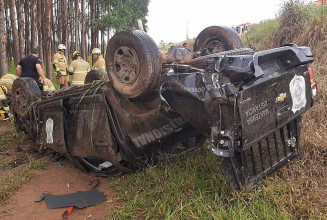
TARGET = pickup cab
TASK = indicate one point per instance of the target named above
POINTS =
(247, 104)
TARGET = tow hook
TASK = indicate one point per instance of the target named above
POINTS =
(291, 142)
(221, 142)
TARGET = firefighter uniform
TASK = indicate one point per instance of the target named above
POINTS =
(48, 85)
(80, 68)
(7, 81)
(99, 63)
(60, 64)
(4, 106)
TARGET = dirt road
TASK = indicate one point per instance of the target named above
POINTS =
(52, 180)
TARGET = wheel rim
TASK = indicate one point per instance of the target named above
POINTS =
(214, 45)
(126, 65)
(21, 99)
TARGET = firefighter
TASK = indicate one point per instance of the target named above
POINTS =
(60, 66)
(48, 86)
(98, 60)
(4, 105)
(7, 81)
(79, 68)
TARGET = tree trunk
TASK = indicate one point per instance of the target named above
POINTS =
(20, 18)
(83, 32)
(8, 31)
(3, 38)
(70, 24)
(47, 23)
(93, 27)
(64, 24)
(102, 41)
(33, 24)
(14, 32)
(27, 27)
(39, 19)
(77, 24)
(53, 27)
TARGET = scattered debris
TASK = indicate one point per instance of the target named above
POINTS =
(5, 153)
(58, 164)
(40, 198)
(79, 199)
(18, 149)
(16, 164)
(94, 183)
(66, 214)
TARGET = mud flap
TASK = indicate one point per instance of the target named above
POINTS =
(252, 164)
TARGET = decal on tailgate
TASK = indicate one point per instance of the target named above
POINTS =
(297, 89)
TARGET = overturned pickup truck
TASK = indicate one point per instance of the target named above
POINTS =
(249, 104)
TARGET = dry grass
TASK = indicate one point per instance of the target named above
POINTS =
(306, 177)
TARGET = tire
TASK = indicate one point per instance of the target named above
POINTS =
(217, 39)
(24, 91)
(133, 62)
(94, 75)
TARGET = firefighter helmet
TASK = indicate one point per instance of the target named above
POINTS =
(96, 51)
(76, 53)
(61, 47)
(4, 89)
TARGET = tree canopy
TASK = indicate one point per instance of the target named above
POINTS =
(123, 14)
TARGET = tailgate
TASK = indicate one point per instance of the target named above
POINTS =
(273, 101)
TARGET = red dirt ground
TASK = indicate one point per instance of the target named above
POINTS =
(54, 180)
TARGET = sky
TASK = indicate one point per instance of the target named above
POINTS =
(171, 20)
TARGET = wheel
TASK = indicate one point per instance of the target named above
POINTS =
(24, 91)
(217, 39)
(94, 75)
(133, 63)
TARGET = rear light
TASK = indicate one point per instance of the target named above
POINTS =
(311, 74)
(314, 86)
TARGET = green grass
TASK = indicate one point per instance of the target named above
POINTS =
(13, 182)
(191, 187)
(11, 179)
(260, 31)
(5, 141)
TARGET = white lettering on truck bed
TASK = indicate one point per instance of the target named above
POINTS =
(257, 112)
(157, 133)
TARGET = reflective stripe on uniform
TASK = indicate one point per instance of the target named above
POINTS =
(78, 82)
(81, 72)
(3, 97)
(6, 108)
(99, 68)
(6, 80)
(63, 73)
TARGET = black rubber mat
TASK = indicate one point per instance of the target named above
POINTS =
(79, 199)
